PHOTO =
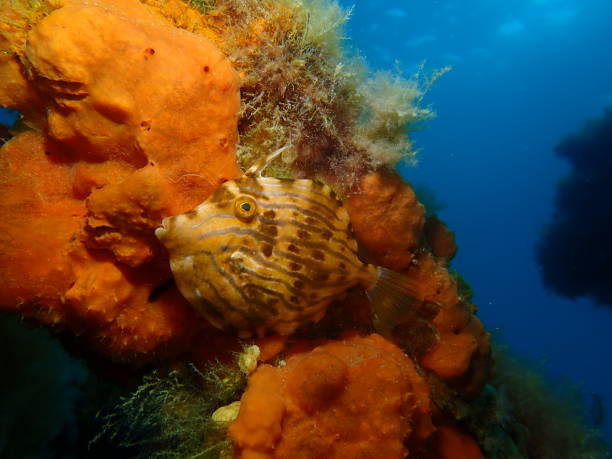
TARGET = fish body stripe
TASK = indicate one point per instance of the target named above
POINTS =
(308, 189)
(306, 212)
(314, 202)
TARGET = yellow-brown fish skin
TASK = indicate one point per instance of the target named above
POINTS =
(264, 255)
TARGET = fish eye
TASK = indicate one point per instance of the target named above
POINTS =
(245, 208)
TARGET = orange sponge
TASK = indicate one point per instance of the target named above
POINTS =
(355, 397)
(441, 332)
(139, 122)
(387, 219)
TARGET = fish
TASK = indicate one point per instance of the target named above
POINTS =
(265, 255)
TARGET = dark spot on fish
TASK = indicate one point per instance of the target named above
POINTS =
(321, 277)
(48, 153)
(294, 299)
(269, 214)
(303, 234)
(295, 266)
(251, 291)
(342, 266)
(295, 214)
(311, 221)
(206, 69)
(146, 125)
(148, 53)
(266, 249)
(326, 234)
(221, 195)
(223, 247)
(318, 255)
(269, 230)
(269, 305)
(254, 316)
(293, 248)
(298, 284)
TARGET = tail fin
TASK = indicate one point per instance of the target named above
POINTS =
(393, 296)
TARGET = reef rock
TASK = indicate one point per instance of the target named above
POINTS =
(139, 121)
(354, 397)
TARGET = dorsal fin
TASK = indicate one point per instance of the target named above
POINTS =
(257, 168)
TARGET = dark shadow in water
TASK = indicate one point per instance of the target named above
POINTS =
(575, 249)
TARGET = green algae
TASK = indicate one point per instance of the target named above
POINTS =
(169, 414)
(301, 87)
(522, 414)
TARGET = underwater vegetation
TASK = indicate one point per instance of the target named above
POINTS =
(171, 414)
(574, 250)
(521, 414)
(133, 113)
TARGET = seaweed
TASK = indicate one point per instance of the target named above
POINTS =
(464, 289)
(521, 413)
(170, 414)
(301, 88)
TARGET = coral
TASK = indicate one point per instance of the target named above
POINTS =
(461, 354)
(355, 397)
(452, 443)
(439, 329)
(439, 238)
(117, 155)
(387, 219)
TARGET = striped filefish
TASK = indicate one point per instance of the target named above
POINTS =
(266, 255)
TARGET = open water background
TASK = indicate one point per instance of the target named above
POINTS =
(526, 73)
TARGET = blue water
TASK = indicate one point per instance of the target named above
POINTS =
(525, 74)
